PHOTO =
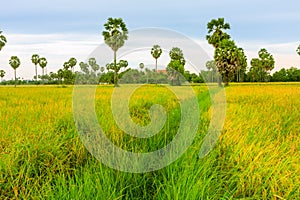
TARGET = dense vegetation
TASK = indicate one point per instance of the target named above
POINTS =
(229, 64)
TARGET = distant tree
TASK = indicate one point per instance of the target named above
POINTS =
(293, 74)
(102, 69)
(93, 64)
(15, 63)
(241, 65)
(280, 76)
(72, 63)
(2, 40)
(216, 31)
(66, 65)
(141, 65)
(262, 66)
(156, 52)
(211, 66)
(116, 68)
(298, 50)
(2, 74)
(35, 58)
(84, 67)
(228, 58)
(177, 54)
(115, 35)
(43, 63)
(175, 68)
(60, 75)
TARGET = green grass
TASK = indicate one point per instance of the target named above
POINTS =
(256, 157)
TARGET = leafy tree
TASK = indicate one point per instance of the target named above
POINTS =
(228, 58)
(262, 65)
(93, 64)
(72, 63)
(156, 52)
(175, 68)
(84, 67)
(2, 74)
(298, 50)
(293, 74)
(35, 58)
(115, 35)
(117, 67)
(216, 31)
(2, 40)
(15, 63)
(280, 76)
(66, 65)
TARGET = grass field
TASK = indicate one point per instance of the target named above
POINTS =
(256, 157)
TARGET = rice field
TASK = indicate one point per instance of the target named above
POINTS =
(256, 157)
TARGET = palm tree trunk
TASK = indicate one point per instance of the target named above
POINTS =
(115, 67)
(36, 76)
(15, 78)
(155, 65)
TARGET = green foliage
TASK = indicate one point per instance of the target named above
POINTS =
(15, 63)
(35, 58)
(115, 35)
(156, 52)
(93, 64)
(175, 68)
(72, 63)
(2, 74)
(298, 50)
(286, 75)
(216, 34)
(2, 40)
(141, 65)
(262, 66)
(43, 63)
(84, 67)
(229, 58)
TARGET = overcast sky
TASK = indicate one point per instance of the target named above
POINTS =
(59, 29)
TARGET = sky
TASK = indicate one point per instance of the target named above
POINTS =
(60, 29)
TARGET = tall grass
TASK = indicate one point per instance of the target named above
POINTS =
(257, 155)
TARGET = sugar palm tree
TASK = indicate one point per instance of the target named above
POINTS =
(15, 63)
(2, 74)
(141, 65)
(156, 51)
(115, 35)
(43, 63)
(216, 31)
(72, 63)
(35, 58)
(2, 40)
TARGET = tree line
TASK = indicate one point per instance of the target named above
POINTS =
(229, 64)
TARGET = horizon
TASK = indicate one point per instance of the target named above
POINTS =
(60, 32)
